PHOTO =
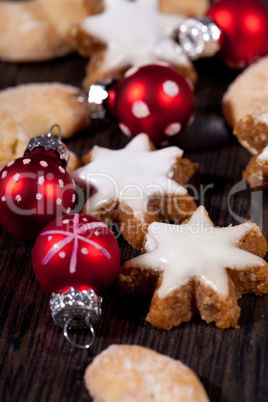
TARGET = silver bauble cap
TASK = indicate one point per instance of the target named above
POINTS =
(97, 95)
(76, 309)
(47, 142)
(78, 305)
(199, 37)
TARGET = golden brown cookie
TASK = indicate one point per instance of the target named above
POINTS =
(191, 8)
(256, 172)
(129, 33)
(248, 93)
(39, 29)
(30, 110)
(130, 373)
(195, 268)
(136, 185)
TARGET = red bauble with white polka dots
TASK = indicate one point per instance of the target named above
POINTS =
(155, 100)
(77, 251)
(34, 190)
(244, 26)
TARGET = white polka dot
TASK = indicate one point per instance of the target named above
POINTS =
(4, 174)
(73, 198)
(84, 250)
(58, 201)
(173, 129)
(61, 169)
(96, 233)
(43, 163)
(26, 161)
(50, 238)
(41, 180)
(16, 177)
(39, 196)
(68, 210)
(65, 221)
(84, 220)
(62, 254)
(61, 183)
(140, 109)
(171, 88)
(10, 163)
(18, 198)
(125, 129)
(3, 198)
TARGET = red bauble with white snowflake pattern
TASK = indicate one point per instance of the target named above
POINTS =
(77, 251)
(34, 189)
(244, 26)
(155, 100)
(76, 258)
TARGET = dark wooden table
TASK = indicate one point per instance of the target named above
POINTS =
(38, 364)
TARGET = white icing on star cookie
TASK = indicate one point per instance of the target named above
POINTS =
(136, 33)
(131, 175)
(195, 250)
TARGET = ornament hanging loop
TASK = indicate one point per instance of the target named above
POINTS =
(59, 131)
(68, 326)
(199, 37)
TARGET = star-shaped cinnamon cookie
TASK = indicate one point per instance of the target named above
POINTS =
(196, 267)
(129, 33)
(136, 185)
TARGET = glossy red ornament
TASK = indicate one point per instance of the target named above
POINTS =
(76, 258)
(244, 26)
(34, 190)
(77, 251)
(153, 99)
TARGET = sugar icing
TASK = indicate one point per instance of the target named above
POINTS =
(131, 175)
(197, 250)
(136, 33)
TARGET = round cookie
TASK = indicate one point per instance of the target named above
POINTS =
(39, 29)
(248, 93)
(133, 373)
(30, 110)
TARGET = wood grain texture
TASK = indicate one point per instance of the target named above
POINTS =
(37, 364)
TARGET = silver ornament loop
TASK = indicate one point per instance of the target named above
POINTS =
(199, 37)
(59, 131)
(68, 325)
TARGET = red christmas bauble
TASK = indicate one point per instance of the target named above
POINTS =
(244, 25)
(34, 190)
(155, 100)
(76, 251)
